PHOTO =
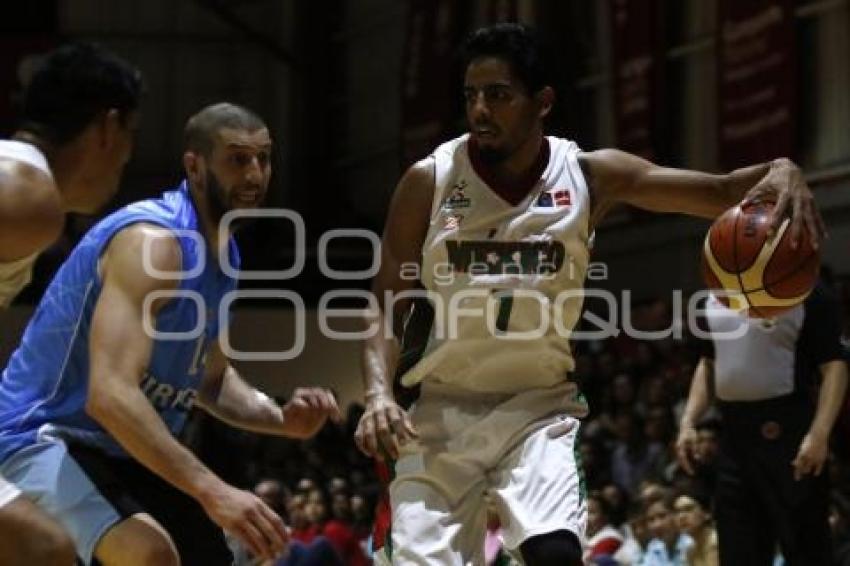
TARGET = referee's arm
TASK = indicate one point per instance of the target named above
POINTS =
(815, 446)
(699, 399)
(821, 347)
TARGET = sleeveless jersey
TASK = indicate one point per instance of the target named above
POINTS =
(15, 275)
(506, 282)
(43, 389)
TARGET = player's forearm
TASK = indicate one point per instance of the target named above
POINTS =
(243, 406)
(379, 359)
(698, 397)
(129, 417)
(831, 397)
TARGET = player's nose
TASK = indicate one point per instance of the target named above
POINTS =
(254, 171)
(478, 107)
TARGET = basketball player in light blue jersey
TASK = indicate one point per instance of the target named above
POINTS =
(90, 403)
(78, 116)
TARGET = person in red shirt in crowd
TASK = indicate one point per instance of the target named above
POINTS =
(603, 539)
(337, 531)
(300, 527)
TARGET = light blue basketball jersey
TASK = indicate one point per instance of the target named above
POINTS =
(43, 389)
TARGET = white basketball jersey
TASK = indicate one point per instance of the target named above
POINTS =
(506, 282)
(16, 275)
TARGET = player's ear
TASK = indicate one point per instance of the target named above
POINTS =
(192, 165)
(545, 99)
(109, 127)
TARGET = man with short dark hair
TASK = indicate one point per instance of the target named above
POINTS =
(79, 113)
(123, 344)
(496, 226)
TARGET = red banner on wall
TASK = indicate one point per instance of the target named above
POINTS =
(637, 68)
(430, 87)
(756, 81)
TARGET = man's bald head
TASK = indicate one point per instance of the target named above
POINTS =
(201, 130)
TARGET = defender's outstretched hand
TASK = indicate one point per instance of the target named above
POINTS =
(307, 410)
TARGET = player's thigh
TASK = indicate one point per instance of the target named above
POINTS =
(430, 528)
(137, 540)
(539, 485)
(49, 476)
(29, 536)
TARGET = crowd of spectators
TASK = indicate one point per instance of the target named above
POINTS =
(643, 509)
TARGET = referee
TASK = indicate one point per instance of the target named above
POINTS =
(774, 442)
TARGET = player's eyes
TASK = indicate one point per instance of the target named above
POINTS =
(497, 94)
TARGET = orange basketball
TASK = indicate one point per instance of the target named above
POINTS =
(762, 275)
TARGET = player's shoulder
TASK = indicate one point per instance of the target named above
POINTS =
(450, 148)
(418, 182)
(421, 172)
(144, 249)
(31, 214)
(611, 161)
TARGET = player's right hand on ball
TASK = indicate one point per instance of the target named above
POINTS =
(383, 427)
(245, 516)
(686, 448)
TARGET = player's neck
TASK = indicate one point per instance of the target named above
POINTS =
(517, 175)
(209, 225)
(521, 162)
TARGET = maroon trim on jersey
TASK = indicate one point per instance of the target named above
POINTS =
(513, 192)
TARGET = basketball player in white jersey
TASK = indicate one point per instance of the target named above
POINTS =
(496, 225)
(79, 114)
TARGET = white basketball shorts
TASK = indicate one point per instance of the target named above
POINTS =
(512, 452)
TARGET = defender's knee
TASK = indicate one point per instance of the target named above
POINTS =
(36, 537)
(159, 551)
(54, 548)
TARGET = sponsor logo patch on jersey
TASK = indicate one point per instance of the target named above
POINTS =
(458, 198)
(554, 198)
(489, 257)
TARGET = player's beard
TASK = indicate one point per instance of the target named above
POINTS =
(492, 155)
(219, 202)
(217, 197)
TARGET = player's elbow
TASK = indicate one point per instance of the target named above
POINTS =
(102, 403)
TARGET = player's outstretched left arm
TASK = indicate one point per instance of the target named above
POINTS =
(225, 395)
(618, 177)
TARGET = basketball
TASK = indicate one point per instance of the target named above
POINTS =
(762, 274)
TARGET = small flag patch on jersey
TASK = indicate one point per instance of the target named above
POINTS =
(554, 198)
